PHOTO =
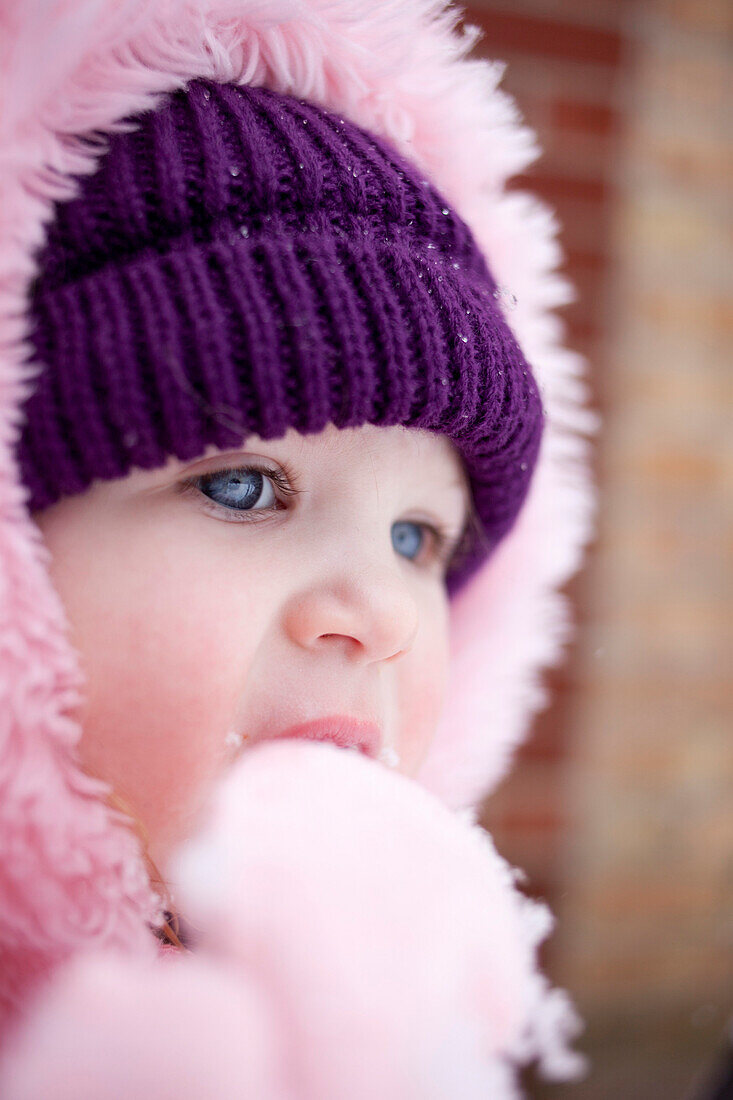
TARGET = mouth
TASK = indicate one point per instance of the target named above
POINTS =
(353, 734)
(347, 733)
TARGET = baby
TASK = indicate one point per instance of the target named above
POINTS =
(273, 429)
(282, 421)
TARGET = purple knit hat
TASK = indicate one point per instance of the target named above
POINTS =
(243, 262)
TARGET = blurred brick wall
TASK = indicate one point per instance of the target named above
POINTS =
(563, 68)
(620, 806)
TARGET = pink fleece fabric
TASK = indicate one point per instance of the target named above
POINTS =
(354, 937)
(75, 901)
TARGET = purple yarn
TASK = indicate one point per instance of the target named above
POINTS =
(244, 262)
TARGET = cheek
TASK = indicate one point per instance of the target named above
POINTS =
(165, 654)
(422, 694)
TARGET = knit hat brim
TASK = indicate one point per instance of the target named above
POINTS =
(214, 350)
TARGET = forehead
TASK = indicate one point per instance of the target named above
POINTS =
(417, 451)
(424, 462)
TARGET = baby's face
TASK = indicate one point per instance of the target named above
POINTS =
(207, 614)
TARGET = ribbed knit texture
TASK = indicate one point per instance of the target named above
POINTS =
(245, 262)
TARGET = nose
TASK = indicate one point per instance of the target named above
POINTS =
(371, 613)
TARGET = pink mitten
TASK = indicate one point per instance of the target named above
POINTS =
(353, 937)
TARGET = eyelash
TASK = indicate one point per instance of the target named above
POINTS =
(441, 536)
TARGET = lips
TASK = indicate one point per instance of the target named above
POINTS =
(346, 732)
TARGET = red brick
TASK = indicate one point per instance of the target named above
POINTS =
(581, 331)
(525, 33)
(556, 189)
(529, 820)
(590, 118)
(579, 260)
(549, 748)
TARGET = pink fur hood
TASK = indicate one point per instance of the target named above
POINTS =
(391, 955)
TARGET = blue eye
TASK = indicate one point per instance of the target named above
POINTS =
(404, 540)
(237, 489)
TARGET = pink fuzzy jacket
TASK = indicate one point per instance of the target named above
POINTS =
(391, 954)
